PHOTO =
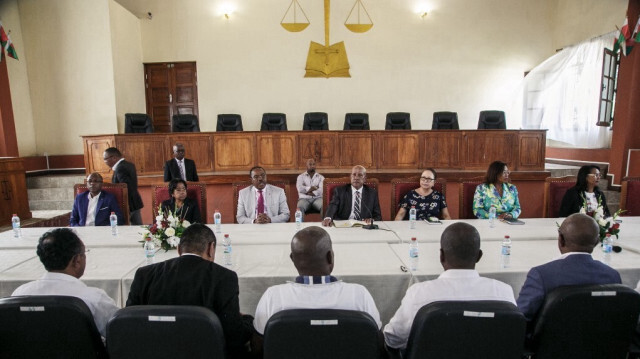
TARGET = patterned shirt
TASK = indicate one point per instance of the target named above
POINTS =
(430, 205)
(487, 196)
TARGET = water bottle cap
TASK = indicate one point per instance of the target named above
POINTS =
(15, 215)
(217, 210)
(413, 239)
(507, 236)
(113, 212)
(226, 236)
(413, 206)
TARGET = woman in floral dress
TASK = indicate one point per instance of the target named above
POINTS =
(498, 192)
(428, 202)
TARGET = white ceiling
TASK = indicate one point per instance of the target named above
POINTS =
(139, 8)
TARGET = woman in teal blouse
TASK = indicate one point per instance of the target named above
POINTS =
(496, 191)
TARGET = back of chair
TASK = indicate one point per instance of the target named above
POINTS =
(469, 329)
(554, 190)
(356, 121)
(630, 196)
(229, 122)
(401, 186)
(444, 120)
(157, 331)
(329, 184)
(467, 190)
(137, 123)
(492, 120)
(274, 122)
(321, 333)
(48, 327)
(195, 190)
(398, 121)
(185, 123)
(238, 186)
(595, 321)
(315, 121)
(119, 190)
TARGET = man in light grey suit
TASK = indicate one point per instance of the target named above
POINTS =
(261, 202)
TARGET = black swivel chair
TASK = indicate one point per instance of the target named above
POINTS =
(48, 327)
(315, 121)
(467, 329)
(137, 123)
(159, 331)
(356, 121)
(229, 122)
(445, 121)
(492, 120)
(398, 121)
(595, 321)
(321, 333)
(185, 123)
(274, 122)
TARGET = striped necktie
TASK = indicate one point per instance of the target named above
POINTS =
(356, 206)
(182, 175)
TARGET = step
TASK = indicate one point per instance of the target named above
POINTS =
(50, 205)
(50, 194)
(63, 181)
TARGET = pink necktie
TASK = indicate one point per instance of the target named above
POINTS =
(260, 202)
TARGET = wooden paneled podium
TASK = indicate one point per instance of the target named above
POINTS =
(13, 190)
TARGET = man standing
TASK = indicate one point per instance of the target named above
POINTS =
(577, 236)
(309, 185)
(459, 253)
(64, 258)
(93, 207)
(354, 201)
(180, 167)
(125, 172)
(261, 202)
(194, 279)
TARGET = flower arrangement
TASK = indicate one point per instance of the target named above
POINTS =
(607, 225)
(166, 231)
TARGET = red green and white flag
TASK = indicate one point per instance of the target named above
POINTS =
(636, 31)
(7, 44)
(621, 40)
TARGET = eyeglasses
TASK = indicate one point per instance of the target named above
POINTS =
(597, 175)
(257, 177)
(106, 158)
(427, 179)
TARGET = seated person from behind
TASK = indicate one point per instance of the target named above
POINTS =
(577, 236)
(354, 201)
(428, 201)
(498, 192)
(585, 192)
(181, 205)
(94, 206)
(459, 253)
(315, 287)
(63, 255)
(261, 202)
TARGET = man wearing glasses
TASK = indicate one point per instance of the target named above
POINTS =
(125, 172)
(261, 202)
(355, 200)
(93, 207)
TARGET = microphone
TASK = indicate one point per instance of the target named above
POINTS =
(370, 225)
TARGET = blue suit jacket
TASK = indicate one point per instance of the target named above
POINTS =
(106, 204)
(576, 269)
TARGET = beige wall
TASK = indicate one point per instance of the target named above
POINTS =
(579, 20)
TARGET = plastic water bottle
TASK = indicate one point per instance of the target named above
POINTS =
(413, 254)
(492, 216)
(412, 217)
(607, 247)
(15, 223)
(149, 251)
(226, 258)
(113, 219)
(298, 219)
(505, 252)
(217, 220)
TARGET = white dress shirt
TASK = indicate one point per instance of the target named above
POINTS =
(91, 209)
(305, 182)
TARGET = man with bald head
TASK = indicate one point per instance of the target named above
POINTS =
(309, 186)
(315, 287)
(179, 166)
(94, 206)
(577, 236)
(459, 253)
(355, 201)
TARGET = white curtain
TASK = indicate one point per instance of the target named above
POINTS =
(562, 94)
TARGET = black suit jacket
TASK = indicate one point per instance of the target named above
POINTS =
(171, 170)
(189, 211)
(192, 280)
(340, 206)
(126, 173)
(573, 200)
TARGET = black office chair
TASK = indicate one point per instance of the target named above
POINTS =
(185, 123)
(137, 123)
(48, 327)
(356, 121)
(165, 331)
(445, 121)
(492, 120)
(229, 122)
(321, 333)
(315, 121)
(595, 321)
(274, 122)
(467, 329)
(398, 121)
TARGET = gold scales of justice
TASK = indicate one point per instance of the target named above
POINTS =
(327, 60)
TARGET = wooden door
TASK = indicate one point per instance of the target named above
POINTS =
(171, 88)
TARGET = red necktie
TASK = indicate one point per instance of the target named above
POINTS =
(260, 202)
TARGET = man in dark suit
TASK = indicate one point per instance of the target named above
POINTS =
(354, 201)
(125, 172)
(93, 207)
(194, 279)
(180, 167)
(577, 236)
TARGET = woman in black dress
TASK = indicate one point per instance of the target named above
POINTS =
(181, 205)
(585, 191)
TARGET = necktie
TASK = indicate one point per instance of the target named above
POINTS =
(260, 202)
(356, 207)
(182, 175)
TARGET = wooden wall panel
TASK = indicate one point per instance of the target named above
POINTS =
(441, 149)
(483, 147)
(198, 147)
(357, 149)
(531, 150)
(277, 151)
(234, 152)
(322, 146)
(93, 153)
(148, 153)
(13, 190)
(399, 150)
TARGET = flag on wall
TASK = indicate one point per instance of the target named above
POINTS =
(636, 31)
(7, 44)
(621, 40)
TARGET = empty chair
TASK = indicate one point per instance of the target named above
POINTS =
(137, 123)
(315, 121)
(356, 121)
(185, 123)
(165, 331)
(445, 121)
(48, 327)
(321, 333)
(229, 122)
(274, 122)
(492, 120)
(398, 121)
